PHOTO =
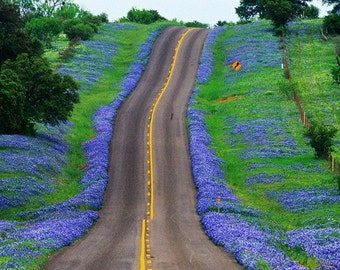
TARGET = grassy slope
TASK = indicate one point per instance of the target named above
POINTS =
(258, 89)
(127, 40)
(254, 99)
(311, 60)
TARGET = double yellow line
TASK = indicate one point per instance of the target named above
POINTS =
(145, 256)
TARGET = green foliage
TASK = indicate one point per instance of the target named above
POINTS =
(78, 28)
(38, 8)
(332, 23)
(12, 98)
(334, 3)
(43, 95)
(13, 40)
(44, 29)
(249, 9)
(321, 138)
(81, 30)
(335, 71)
(144, 16)
(311, 12)
(196, 24)
(280, 12)
(67, 12)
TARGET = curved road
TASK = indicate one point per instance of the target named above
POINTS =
(126, 237)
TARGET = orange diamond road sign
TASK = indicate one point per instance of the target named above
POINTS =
(236, 65)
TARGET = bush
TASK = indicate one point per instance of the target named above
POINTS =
(45, 29)
(77, 28)
(196, 24)
(331, 23)
(321, 138)
(144, 16)
(336, 74)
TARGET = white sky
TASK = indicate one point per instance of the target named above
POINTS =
(204, 11)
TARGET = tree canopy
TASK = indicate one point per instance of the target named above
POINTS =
(334, 3)
(144, 16)
(30, 91)
(280, 12)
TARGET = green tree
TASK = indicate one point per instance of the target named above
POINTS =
(67, 12)
(38, 8)
(78, 28)
(196, 24)
(279, 11)
(332, 23)
(48, 96)
(13, 40)
(144, 16)
(311, 12)
(12, 97)
(321, 138)
(44, 28)
(251, 8)
(335, 4)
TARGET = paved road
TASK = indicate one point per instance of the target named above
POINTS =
(176, 238)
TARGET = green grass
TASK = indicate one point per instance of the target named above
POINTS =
(311, 61)
(101, 93)
(258, 93)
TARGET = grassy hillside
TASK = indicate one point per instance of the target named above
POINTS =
(262, 195)
(279, 206)
(52, 185)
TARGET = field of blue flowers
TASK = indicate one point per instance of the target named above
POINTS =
(30, 167)
(261, 193)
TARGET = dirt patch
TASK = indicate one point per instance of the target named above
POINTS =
(227, 99)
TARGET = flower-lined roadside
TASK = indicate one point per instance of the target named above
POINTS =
(265, 161)
(51, 227)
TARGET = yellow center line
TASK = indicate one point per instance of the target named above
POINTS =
(153, 111)
(145, 240)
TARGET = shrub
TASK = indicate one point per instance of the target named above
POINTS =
(45, 29)
(144, 16)
(336, 74)
(81, 30)
(332, 23)
(321, 138)
(196, 24)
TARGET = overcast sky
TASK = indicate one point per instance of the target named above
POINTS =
(205, 11)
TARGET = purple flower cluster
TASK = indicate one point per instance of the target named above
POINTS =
(253, 47)
(207, 174)
(87, 67)
(242, 230)
(250, 244)
(264, 178)
(16, 191)
(322, 243)
(267, 138)
(38, 159)
(306, 199)
(207, 60)
(57, 225)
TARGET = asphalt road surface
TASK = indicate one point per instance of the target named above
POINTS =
(172, 237)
